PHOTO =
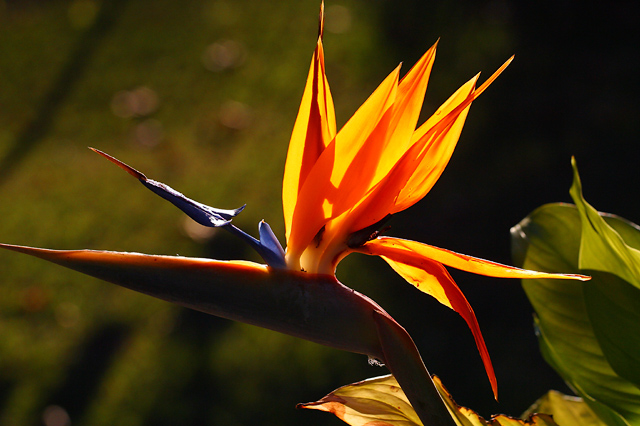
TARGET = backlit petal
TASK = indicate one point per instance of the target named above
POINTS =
(319, 192)
(388, 142)
(417, 251)
(405, 114)
(432, 278)
(364, 151)
(439, 136)
(314, 129)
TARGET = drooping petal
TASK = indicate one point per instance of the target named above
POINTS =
(432, 278)
(314, 129)
(416, 251)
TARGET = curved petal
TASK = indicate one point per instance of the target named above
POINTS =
(416, 251)
(432, 278)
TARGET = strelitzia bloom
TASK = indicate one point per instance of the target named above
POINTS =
(339, 188)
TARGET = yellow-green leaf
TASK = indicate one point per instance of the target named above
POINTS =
(566, 410)
(381, 402)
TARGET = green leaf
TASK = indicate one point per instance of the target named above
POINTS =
(566, 410)
(589, 332)
(602, 248)
(381, 402)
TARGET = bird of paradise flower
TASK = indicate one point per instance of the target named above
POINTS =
(339, 189)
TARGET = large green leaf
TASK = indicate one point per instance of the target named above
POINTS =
(381, 402)
(589, 332)
(603, 248)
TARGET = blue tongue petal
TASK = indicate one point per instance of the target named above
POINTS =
(201, 213)
(268, 246)
(271, 246)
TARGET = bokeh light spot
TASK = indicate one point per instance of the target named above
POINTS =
(223, 55)
(54, 415)
(149, 133)
(235, 115)
(139, 102)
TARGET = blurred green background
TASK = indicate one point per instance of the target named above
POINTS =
(202, 95)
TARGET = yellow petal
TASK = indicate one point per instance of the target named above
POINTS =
(475, 265)
(401, 183)
(432, 278)
(408, 167)
(367, 147)
(314, 129)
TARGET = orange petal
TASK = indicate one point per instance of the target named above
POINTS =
(388, 142)
(404, 175)
(463, 262)
(432, 278)
(406, 111)
(314, 129)
(438, 137)
(319, 193)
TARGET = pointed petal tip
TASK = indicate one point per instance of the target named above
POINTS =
(10, 246)
(238, 210)
(321, 22)
(133, 172)
(579, 277)
(34, 251)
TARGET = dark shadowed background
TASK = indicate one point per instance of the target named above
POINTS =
(202, 95)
